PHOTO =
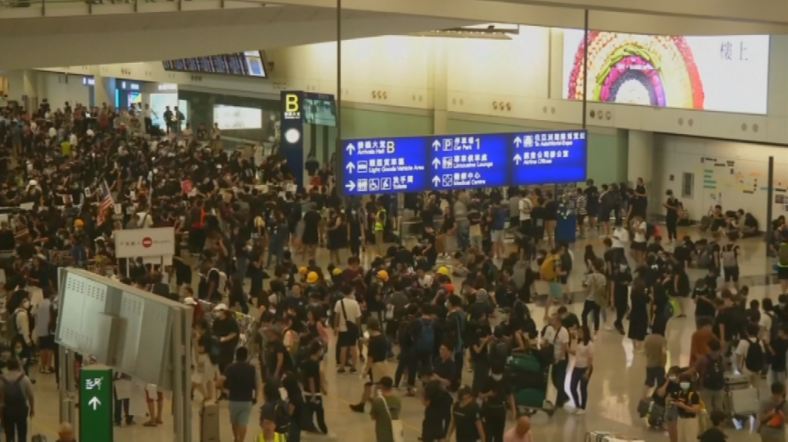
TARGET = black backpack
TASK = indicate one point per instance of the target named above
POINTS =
(13, 394)
(714, 377)
(755, 360)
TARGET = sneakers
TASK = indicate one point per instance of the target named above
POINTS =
(358, 408)
(580, 412)
(341, 370)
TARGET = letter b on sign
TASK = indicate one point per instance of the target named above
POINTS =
(291, 103)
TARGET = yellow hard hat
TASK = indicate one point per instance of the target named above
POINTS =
(302, 270)
(78, 223)
(337, 271)
(311, 277)
(443, 270)
(383, 275)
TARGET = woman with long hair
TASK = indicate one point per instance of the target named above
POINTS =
(583, 351)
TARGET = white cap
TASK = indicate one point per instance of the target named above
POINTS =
(32, 183)
(190, 301)
(220, 307)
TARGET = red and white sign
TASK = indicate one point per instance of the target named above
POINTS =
(143, 243)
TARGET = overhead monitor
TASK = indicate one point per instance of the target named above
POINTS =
(320, 109)
(237, 117)
(243, 64)
(714, 73)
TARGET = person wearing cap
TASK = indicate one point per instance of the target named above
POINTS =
(466, 418)
(386, 407)
(226, 330)
(520, 432)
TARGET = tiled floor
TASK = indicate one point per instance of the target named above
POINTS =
(614, 389)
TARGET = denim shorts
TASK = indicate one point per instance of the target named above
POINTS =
(240, 412)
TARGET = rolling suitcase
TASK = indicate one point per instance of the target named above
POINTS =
(744, 401)
(736, 381)
(209, 423)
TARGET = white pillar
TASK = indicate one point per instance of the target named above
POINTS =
(640, 164)
(440, 94)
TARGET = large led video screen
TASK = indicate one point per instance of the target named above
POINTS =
(712, 73)
(235, 117)
(244, 64)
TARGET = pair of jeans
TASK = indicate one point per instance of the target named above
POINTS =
(578, 380)
(558, 376)
(594, 309)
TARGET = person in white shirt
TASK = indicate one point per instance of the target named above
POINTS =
(43, 334)
(751, 369)
(620, 237)
(524, 207)
(583, 351)
(639, 246)
(557, 335)
(347, 325)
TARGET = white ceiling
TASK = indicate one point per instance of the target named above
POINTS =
(114, 33)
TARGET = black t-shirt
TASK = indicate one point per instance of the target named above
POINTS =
(274, 350)
(377, 348)
(592, 198)
(500, 390)
(465, 418)
(704, 305)
(447, 370)
(224, 327)
(672, 391)
(310, 369)
(689, 397)
(438, 411)
(240, 381)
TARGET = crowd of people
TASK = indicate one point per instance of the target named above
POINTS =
(407, 313)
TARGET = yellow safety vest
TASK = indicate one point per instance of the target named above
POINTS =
(380, 220)
(278, 437)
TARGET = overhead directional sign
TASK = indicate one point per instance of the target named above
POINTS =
(548, 157)
(469, 161)
(415, 164)
(384, 165)
(95, 413)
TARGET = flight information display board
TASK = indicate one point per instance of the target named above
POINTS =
(416, 164)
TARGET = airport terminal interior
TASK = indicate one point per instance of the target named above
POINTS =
(390, 221)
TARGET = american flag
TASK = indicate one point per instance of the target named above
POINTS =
(105, 204)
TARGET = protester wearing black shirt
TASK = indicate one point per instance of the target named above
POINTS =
(226, 330)
(466, 418)
(496, 398)
(437, 411)
(445, 369)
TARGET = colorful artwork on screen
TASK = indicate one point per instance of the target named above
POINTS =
(701, 73)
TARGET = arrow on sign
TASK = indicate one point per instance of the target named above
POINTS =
(436, 145)
(94, 402)
(350, 186)
(517, 159)
(436, 162)
(518, 142)
(350, 149)
(436, 181)
(350, 167)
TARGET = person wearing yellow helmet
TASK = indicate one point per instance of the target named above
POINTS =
(383, 275)
(312, 278)
(443, 270)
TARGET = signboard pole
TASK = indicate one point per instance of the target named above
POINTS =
(95, 400)
(769, 207)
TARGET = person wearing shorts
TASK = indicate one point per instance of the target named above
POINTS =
(655, 349)
(347, 317)
(242, 385)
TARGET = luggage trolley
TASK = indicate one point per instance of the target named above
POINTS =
(529, 379)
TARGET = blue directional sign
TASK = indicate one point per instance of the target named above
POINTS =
(465, 161)
(415, 164)
(548, 157)
(384, 165)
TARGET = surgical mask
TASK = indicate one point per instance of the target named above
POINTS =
(496, 377)
(685, 385)
(672, 378)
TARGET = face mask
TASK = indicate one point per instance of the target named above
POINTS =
(496, 377)
(685, 385)
(672, 378)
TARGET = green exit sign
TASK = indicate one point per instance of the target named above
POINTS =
(95, 404)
